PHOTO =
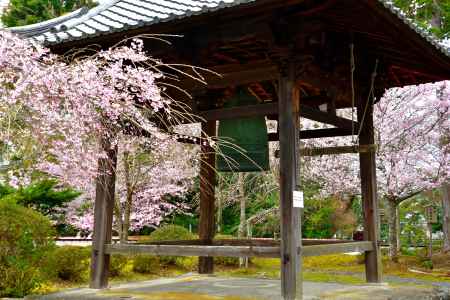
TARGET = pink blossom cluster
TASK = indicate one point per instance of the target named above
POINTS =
(67, 106)
(412, 132)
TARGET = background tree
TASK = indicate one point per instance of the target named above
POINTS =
(25, 12)
(433, 15)
(410, 156)
(71, 120)
(44, 196)
(147, 178)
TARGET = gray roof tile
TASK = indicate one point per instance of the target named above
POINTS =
(120, 15)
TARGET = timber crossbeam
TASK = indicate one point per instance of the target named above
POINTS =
(318, 250)
(195, 250)
(272, 109)
(271, 249)
(338, 150)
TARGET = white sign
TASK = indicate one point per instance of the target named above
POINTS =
(298, 199)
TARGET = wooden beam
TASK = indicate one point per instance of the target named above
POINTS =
(369, 192)
(288, 124)
(335, 150)
(207, 198)
(103, 216)
(272, 109)
(338, 150)
(316, 133)
(240, 112)
(195, 250)
(273, 136)
(236, 251)
(261, 242)
(317, 250)
(326, 117)
(231, 75)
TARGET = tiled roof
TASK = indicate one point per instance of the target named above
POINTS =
(121, 15)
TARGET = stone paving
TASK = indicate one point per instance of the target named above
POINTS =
(197, 287)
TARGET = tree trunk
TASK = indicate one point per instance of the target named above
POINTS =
(446, 213)
(126, 218)
(118, 217)
(394, 241)
(242, 219)
(128, 200)
(436, 19)
(219, 210)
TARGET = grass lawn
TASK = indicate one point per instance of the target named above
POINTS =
(346, 269)
(343, 269)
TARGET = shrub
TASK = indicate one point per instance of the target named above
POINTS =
(427, 264)
(189, 263)
(225, 261)
(71, 263)
(25, 244)
(117, 264)
(170, 233)
(146, 264)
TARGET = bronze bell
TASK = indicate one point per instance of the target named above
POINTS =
(243, 144)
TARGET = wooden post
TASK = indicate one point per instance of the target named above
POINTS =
(207, 183)
(288, 124)
(369, 192)
(103, 215)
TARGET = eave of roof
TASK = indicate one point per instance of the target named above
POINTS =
(122, 15)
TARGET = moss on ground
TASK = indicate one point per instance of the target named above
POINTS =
(346, 269)
(171, 296)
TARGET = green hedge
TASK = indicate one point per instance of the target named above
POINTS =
(171, 233)
(146, 264)
(71, 263)
(25, 246)
(222, 260)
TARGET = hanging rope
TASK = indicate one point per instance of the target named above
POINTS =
(352, 83)
(370, 96)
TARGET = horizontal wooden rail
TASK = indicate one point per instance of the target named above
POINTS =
(335, 150)
(338, 150)
(262, 242)
(317, 250)
(219, 242)
(195, 250)
(237, 251)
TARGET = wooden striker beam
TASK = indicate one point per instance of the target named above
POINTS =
(369, 192)
(207, 183)
(288, 120)
(103, 216)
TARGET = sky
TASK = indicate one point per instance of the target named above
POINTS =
(3, 4)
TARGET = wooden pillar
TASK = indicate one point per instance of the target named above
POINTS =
(207, 182)
(369, 193)
(103, 216)
(288, 124)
